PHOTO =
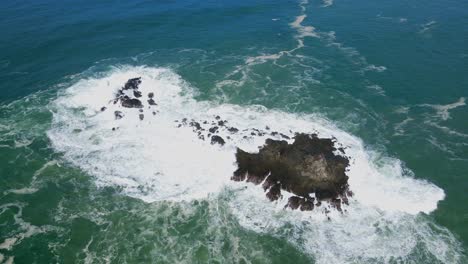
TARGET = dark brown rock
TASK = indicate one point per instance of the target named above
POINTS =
(274, 193)
(304, 204)
(306, 166)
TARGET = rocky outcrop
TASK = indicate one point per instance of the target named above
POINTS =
(308, 168)
(302, 164)
(129, 94)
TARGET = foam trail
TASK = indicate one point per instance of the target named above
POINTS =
(427, 26)
(154, 160)
(443, 110)
(27, 228)
(303, 31)
(327, 3)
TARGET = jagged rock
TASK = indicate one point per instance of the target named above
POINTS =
(132, 83)
(131, 102)
(118, 114)
(103, 109)
(233, 130)
(151, 102)
(136, 93)
(274, 193)
(196, 125)
(222, 122)
(217, 140)
(213, 129)
(304, 204)
(306, 166)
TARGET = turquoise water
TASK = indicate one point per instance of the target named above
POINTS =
(386, 78)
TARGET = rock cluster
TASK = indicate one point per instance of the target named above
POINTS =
(130, 96)
(308, 168)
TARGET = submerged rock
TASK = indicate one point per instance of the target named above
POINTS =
(306, 166)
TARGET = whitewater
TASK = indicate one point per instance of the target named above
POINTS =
(155, 160)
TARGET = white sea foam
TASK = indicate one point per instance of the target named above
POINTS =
(400, 127)
(396, 19)
(25, 190)
(377, 88)
(25, 229)
(327, 3)
(10, 260)
(427, 26)
(154, 160)
(375, 68)
(443, 110)
(8, 243)
(303, 31)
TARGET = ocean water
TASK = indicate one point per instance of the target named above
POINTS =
(387, 79)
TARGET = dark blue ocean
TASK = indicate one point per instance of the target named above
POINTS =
(387, 79)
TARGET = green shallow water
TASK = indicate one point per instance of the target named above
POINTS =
(52, 211)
